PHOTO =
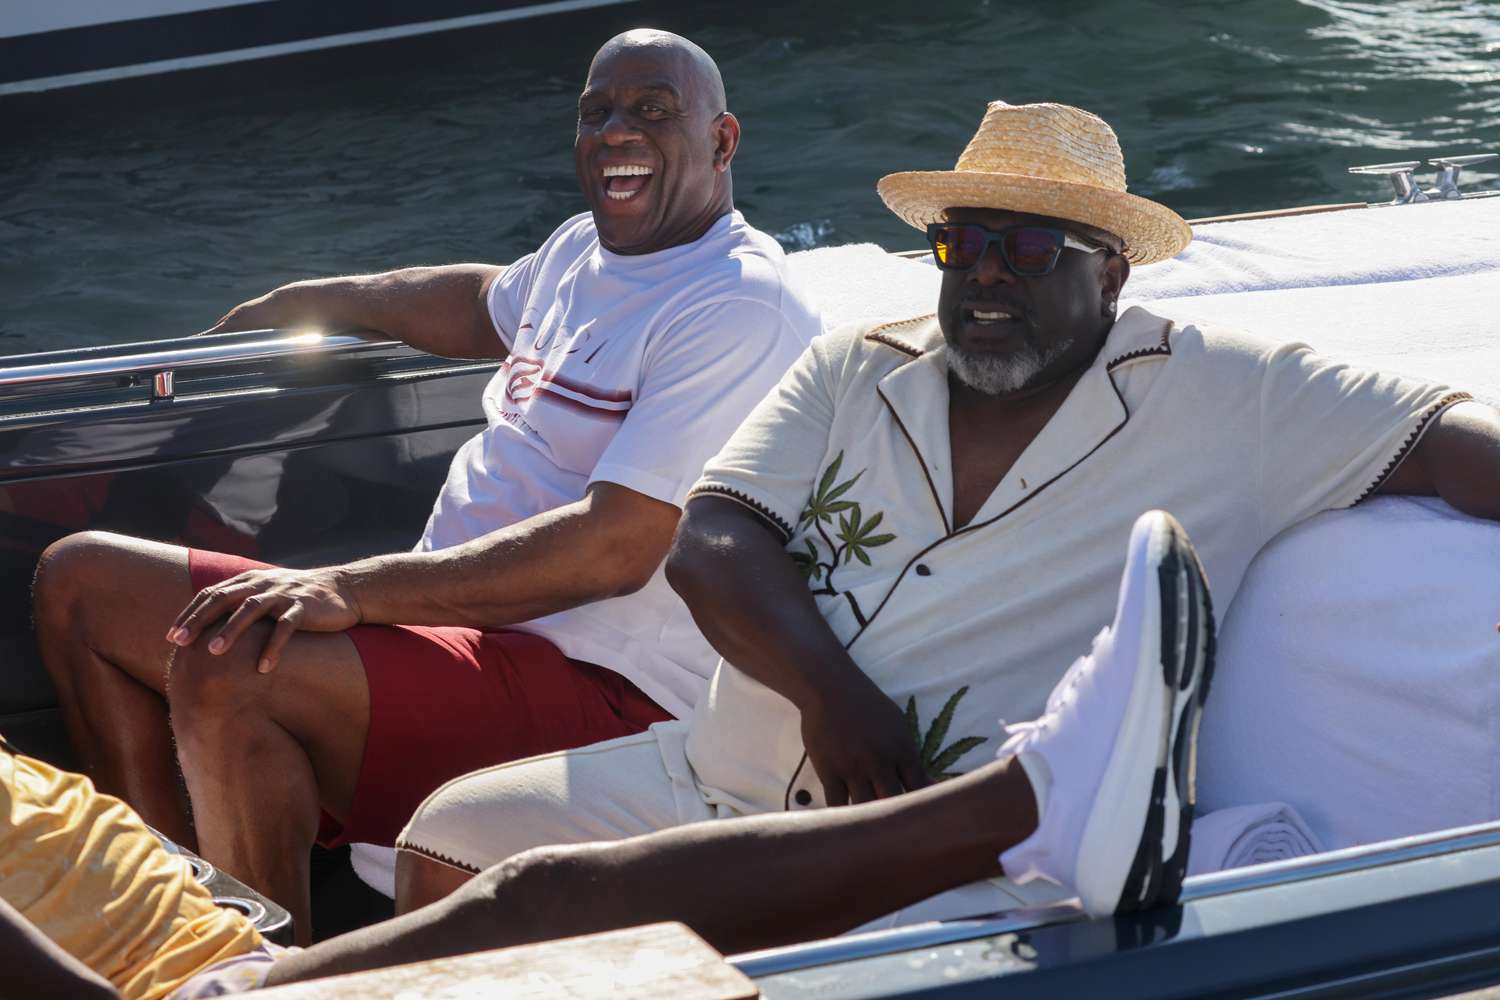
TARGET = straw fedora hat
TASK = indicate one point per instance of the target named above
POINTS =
(1044, 159)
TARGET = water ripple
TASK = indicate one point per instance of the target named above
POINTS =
(153, 218)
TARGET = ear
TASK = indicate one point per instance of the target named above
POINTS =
(1112, 278)
(726, 140)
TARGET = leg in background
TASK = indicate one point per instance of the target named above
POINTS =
(421, 881)
(102, 604)
(264, 753)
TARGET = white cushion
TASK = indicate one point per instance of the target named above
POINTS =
(1359, 675)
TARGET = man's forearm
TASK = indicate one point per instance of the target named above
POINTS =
(1458, 459)
(754, 607)
(440, 310)
(36, 967)
(572, 555)
(1465, 465)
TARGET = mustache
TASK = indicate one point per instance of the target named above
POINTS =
(1030, 331)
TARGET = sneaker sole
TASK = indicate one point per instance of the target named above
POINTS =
(1187, 665)
(1175, 667)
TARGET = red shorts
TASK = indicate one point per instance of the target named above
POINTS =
(447, 701)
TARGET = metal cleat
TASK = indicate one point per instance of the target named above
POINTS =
(1407, 192)
(1448, 170)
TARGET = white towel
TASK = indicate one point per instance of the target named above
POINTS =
(1356, 247)
(1248, 835)
(1441, 329)
(861, 282)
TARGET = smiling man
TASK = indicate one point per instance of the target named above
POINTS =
(533, 614)
(913, 534)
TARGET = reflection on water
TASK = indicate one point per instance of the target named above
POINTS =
(150, 218)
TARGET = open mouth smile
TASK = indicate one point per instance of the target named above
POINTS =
(985, 317)
(625, 181)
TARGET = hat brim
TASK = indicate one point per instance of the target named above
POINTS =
(1151, 232)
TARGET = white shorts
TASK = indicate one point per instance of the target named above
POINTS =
(613, 790)
(608, 791)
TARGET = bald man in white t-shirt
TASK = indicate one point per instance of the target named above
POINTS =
(533, 615)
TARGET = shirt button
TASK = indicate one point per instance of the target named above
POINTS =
(923, 570)
(803, 797)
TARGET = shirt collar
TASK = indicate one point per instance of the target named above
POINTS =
(916, 391)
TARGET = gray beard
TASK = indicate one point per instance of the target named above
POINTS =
(998, 376)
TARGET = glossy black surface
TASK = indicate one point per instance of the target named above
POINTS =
(302, 461)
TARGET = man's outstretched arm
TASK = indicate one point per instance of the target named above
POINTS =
(36, 967)
(752, 604)
(1458, 459)
(605, 545)
(440, 310)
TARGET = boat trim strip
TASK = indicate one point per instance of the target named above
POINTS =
(793, 958)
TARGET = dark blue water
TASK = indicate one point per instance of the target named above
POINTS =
(148, 212)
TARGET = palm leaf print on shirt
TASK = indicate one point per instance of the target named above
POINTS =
(853, 534)
(936, 758)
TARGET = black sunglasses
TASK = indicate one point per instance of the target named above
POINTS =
(1030, 251)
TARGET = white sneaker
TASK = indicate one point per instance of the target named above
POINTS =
(1113, 756)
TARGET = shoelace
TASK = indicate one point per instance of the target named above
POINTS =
(1061, 697)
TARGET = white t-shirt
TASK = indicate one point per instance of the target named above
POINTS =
(630, 370)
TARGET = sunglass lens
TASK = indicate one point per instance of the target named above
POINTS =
(1032, 251)
(957, 246)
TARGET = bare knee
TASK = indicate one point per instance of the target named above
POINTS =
(102, 588)
(541, 872)
(67, 570)
(207, 694)
(558, 891)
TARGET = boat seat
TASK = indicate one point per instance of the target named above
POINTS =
(1359, 675)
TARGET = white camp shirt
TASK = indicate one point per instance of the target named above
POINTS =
(630, 370)
(1236, 436)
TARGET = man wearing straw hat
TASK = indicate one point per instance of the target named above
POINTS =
(920, 527)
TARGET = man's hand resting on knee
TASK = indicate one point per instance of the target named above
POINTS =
(314, 600)
(605, 545)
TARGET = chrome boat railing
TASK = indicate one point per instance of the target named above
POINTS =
(161, 364)
(793, 958)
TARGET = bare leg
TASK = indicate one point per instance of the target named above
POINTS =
(102, 604)
(741, 884)
(421, 881)
(263, 752)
